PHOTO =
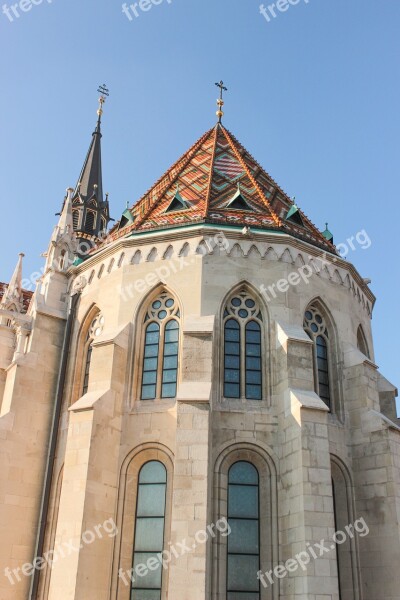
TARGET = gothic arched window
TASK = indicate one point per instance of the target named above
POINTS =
(149, 530)
(316, 327)
(244, 539)
(362, 342)
(243, 348)
(75, 218)
(95, 330)
(161, 349)
(90, 220)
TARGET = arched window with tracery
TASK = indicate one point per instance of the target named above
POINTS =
(316, 326)
(243, 347)
(161, 348)
(94, 331)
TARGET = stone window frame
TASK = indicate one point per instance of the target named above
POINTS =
(137, 352)
(80, 343)
(336, 404)
(266, 344)
(268, 498)
(344, 514)
(362, 344)
(126, 513)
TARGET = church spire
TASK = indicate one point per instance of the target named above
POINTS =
(90, 208)
(13, 297)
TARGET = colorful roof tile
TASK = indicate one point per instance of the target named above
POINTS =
(208, 177)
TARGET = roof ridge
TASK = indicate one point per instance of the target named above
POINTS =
(208, 194)
(263, 199)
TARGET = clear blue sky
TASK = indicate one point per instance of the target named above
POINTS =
(313, 94)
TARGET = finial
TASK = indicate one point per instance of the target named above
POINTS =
(127, 204)
(104, 93)
(326, 225)
(220, 101)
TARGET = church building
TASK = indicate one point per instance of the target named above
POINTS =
(190, 405)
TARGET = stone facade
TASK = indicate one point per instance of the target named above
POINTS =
(319, 470)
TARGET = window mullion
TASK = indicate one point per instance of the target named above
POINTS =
(242, 374)
(160, 361)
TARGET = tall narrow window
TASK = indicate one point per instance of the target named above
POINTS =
(87, 368)
(95, 330)
(362, 342)
(161, 349)
(316, 327)
(244, 539)
(243, 348)
(75, 218)
(149, 530)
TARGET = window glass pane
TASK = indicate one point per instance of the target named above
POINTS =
(171, 348)
(253, 336)
(171, 362)
(253, 349)
(146, 595)
(253, 392)
(150, 364)
(243, 501)
(242, 596)
(253, 377)
(152, 579)
(242, 573)
(323, 377)
(243, 472)
(232, 362)
(168, 390)
(243, 538)
(232, 348)
(149, 377)
(151, 350)
(232, 335)
(253, 363)
(151, 500)
(231, 390)
(148, 392)
(169, 376)
(172, 331)
(153, 472)
(152, 337)
(149, 534)
(232, 376)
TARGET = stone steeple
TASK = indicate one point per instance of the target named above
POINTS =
(13, 297)
(90, 209)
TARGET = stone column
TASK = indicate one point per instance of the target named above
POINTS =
(306, 508)
(375, 446)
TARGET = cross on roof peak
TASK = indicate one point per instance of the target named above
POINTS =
(220, 101)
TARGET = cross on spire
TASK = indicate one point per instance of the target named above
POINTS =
(220, 101)
(104, 93)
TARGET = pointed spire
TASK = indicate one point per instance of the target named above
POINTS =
(65, 223)
(90, 210)
(90, 182)
(328, 235)
(13, 294)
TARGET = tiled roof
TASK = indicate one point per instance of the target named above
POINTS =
(27, 295)
(207, 178)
